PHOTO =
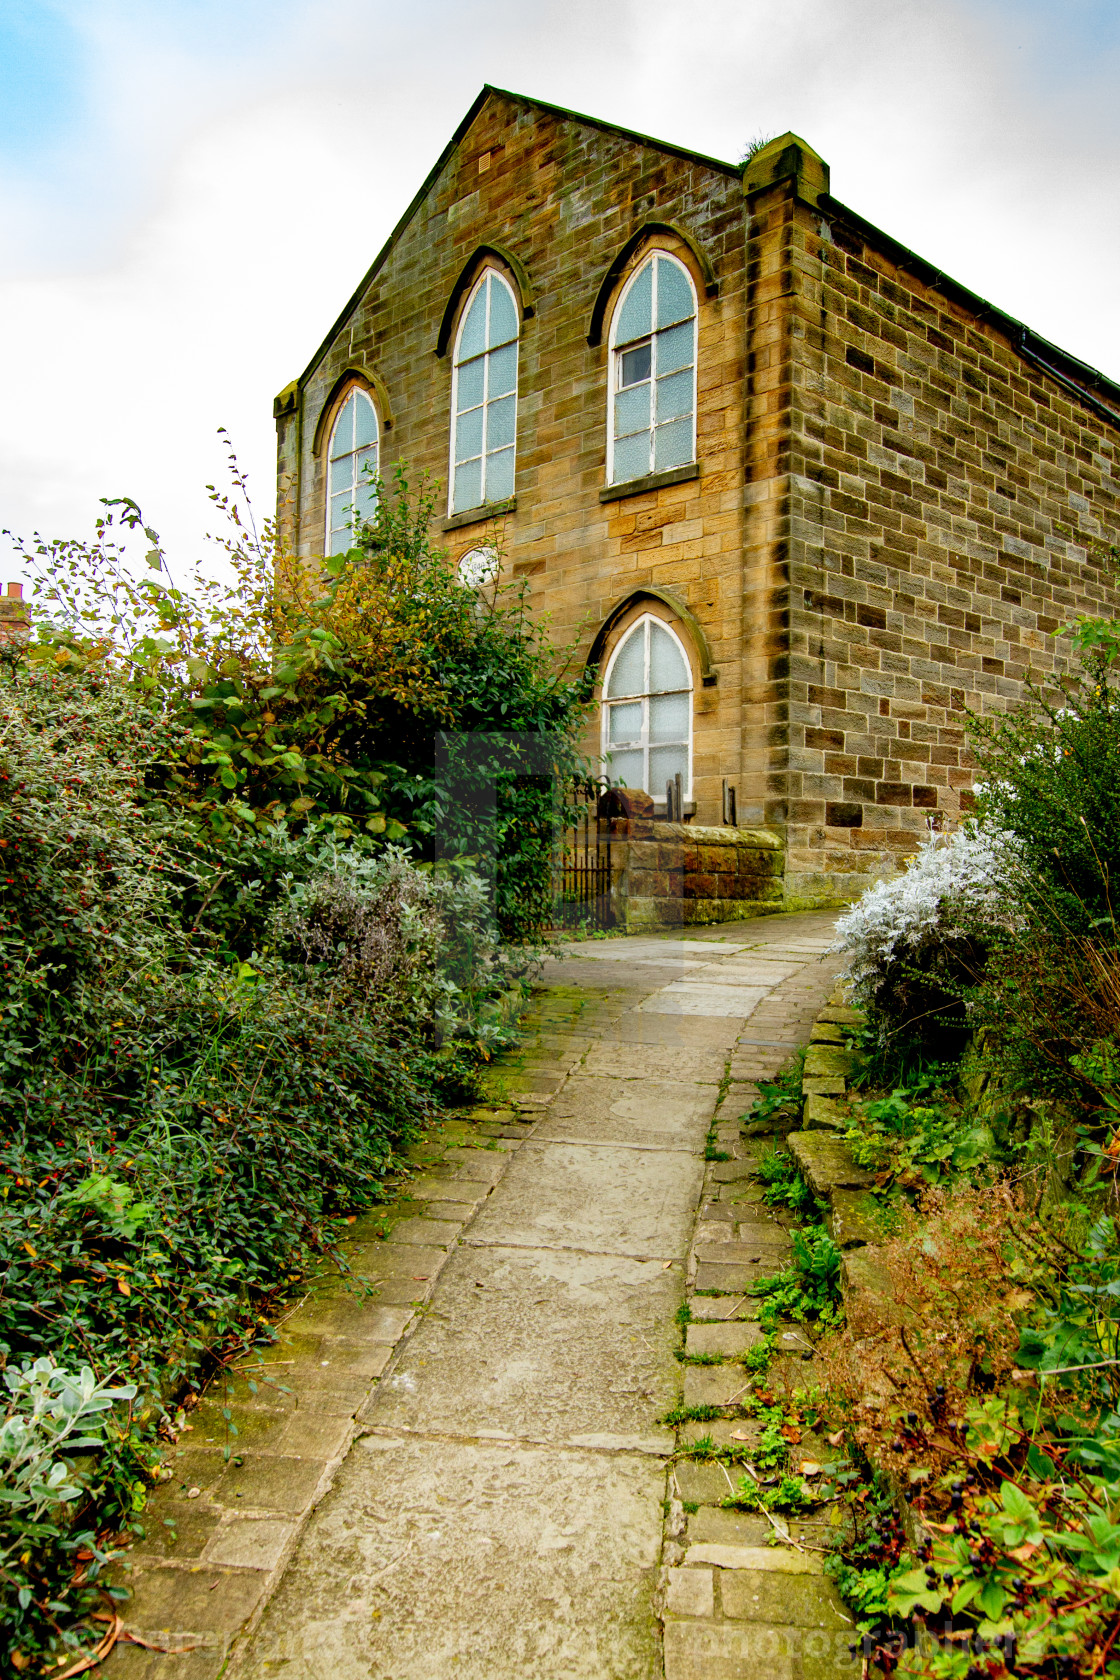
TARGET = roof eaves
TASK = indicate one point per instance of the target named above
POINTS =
(1073, 375)
(719, 164)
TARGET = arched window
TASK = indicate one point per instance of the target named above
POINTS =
(652, 410)
(478, 567)
(647, 710)
(352, 456)
(484, 396)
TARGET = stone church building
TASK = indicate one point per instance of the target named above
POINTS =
(799, 496)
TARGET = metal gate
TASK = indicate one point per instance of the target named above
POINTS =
(582, 871)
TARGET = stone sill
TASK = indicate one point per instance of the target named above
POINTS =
(479, 515)
(652, 481)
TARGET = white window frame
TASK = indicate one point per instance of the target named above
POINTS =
(643, 623)
(616, 363)
(350, 391)
(484, 355)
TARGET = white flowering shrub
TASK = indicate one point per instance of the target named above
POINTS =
(915, 941)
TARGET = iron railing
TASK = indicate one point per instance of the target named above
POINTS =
(582, 869)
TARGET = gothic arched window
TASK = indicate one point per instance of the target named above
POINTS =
(652, 406)
(484, 396)
(352, 457)
(647, 710)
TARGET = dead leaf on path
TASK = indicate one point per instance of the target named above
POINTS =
(790, 1432)
(836, 1440)
(665, 1264)
(810, 1467)
(737, 1435)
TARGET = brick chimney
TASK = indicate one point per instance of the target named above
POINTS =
(15, 616)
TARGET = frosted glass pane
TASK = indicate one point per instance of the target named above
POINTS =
(342, 438)
(342, 474)
(625, 724)
(672, 445)
(500, 418)
(468, 388)
(631, 411)
(668, 717)
(635, 365)
(365, 421)
(674, 347)
(631, 458)
(667, 669)
(468, 435)
(503, 370)
(625, 769)
(664, 762)
(628, 674)
(472, 337)
(341, 519)
(499, 475)
(468, 486)
(674, 294)
(503, 315)
(674, 395)
(366, 495)
(365, 461)
(635, 318)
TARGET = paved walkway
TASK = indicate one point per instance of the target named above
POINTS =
(503, 1502)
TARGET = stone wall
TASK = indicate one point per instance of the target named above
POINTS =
(925, 501)
(674, 874)
(897, 489)
(563, 196)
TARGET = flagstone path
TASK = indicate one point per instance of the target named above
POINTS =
(477, 1484)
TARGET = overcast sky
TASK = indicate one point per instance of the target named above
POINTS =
(191, 189)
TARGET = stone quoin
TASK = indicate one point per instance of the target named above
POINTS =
(802, 499)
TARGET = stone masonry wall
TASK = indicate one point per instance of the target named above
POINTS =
(944, 495)
(670, 874)
(563, 196)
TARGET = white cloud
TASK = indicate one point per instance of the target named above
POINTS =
(232, 185)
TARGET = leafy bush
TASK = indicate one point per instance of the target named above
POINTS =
(1049, 778)
(372, 693)
(182, 1130)
(919, 1134)
(917, 942)
(809, 1287)
(51, 1413)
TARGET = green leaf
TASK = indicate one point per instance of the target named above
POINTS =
(992, 1599)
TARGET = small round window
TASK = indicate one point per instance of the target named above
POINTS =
(478, 567)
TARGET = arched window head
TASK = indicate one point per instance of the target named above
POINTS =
(652, 418)
(484, 396)
(352, 463)
(647, 710)
(477, 568)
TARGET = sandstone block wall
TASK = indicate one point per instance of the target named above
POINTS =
(670, 874)
(895, 502)
(926, 526)
(563, 196)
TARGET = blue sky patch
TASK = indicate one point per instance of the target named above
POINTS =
(41, 77)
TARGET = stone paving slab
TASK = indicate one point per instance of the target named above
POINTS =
(541, 1344)
(447, 1560)
(600, 1198)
